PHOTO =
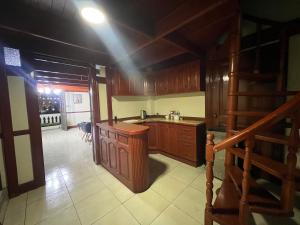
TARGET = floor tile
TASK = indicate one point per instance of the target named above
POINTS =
(41, 209)
(119, 216)
(82, 190)
(67, 216)
(162, 186)
(53, 187)
(174, 216)
(96, 206)
(120, 191)
(185, 174)
(145, 207)
(192, 202)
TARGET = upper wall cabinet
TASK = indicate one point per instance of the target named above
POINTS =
(182, 78)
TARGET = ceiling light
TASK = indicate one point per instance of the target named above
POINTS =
(93, 15)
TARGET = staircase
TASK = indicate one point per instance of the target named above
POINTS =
(240, 194)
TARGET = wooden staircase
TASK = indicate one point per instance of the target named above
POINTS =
(240, 194)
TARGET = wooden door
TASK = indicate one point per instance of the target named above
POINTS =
(21, 129)
(216, 95)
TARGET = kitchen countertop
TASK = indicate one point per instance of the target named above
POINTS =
(126, 128)
(163, 120)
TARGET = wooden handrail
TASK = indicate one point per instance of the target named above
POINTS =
(262, 124)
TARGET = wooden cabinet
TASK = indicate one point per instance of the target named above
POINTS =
(104, 151)
(162, 136)
(177, 79)
(149, 86)
(125, 155)
(182, 142)
(127, 86)
(152, 135)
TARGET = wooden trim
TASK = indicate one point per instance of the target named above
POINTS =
(95, 111)
(78, 112)
(71, 126)
(21, 132)
(109, 94)
(35, 134)
(7, 130)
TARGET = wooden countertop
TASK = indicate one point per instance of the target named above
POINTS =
(127, 128)
(182, 122)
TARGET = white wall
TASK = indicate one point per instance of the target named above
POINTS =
(103, 101)
(127, 106)
(188, 104)
(75, 112)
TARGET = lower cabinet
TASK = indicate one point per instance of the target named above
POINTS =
(183, 142)
(126, 157)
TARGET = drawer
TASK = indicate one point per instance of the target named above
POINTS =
(123, 139)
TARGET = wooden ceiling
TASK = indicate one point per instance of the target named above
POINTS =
(150, 31)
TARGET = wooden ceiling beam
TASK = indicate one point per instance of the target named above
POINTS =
(53, 67)
(184, 14)
(60, 76)
(58, 81)
(30, 44)
(187, 12)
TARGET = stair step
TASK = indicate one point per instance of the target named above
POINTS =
(263, 94)
(260, 200)
(248, 113)
(273, 167)
(226, 205)
(274, 138)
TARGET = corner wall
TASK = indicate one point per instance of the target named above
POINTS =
(293, 83)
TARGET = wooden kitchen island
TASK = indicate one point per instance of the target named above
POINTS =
(124, 153)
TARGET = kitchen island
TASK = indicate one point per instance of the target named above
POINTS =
(124, 153)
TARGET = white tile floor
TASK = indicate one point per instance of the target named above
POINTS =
(77, 192)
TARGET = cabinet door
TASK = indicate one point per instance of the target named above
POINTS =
(124, 162)
(138, 86)
(152, 135)
(104, 151)
(123, 85)
(113, 157)
(149, 86)
(172, 139)
(162, 136)
(186, 142)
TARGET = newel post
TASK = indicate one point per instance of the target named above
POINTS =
(244, 206)
(210, 157)
(288, 189)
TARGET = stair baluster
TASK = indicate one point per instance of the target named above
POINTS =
(244, 206)
(210, 157)
(288, 187)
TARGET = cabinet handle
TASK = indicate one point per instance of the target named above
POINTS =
(215, 115)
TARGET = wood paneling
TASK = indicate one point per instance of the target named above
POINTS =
(125, 157)
(182, 78)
